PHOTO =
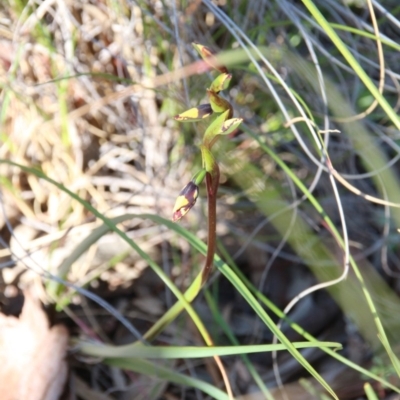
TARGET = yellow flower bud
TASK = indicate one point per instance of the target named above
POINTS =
(185, 201)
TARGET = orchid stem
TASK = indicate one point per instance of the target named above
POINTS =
(212, 182)
(223, 124)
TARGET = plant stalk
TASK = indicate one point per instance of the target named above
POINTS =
(212, 182)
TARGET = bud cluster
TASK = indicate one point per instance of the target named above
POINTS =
(223, 124)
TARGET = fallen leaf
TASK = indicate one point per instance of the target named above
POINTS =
(32, 355)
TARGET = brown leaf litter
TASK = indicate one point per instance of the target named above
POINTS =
(32, 355)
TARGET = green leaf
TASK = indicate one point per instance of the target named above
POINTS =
(214, 129)
(209, 162)
(199, 177)
(218, 104)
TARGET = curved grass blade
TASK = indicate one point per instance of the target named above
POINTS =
(316, 13)
(246, 294)
(168, 374)
(177, 308)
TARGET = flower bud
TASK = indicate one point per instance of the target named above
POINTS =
(185, 201)
(221, 82)
(195, 114)
(209, 57)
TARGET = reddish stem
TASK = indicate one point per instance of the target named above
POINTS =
(212, 182)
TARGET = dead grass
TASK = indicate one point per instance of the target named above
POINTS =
(57, 59)
(117, 157)
(125, 155)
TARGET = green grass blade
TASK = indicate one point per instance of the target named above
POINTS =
(300, 330)
(220, 321)
(316, 13)
(138, 350)
(201, 247)
(368, 35)
(374, 159)
(167, 374)
(369, 391)
(251, 300)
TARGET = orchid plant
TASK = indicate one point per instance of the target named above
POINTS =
(222, 123)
